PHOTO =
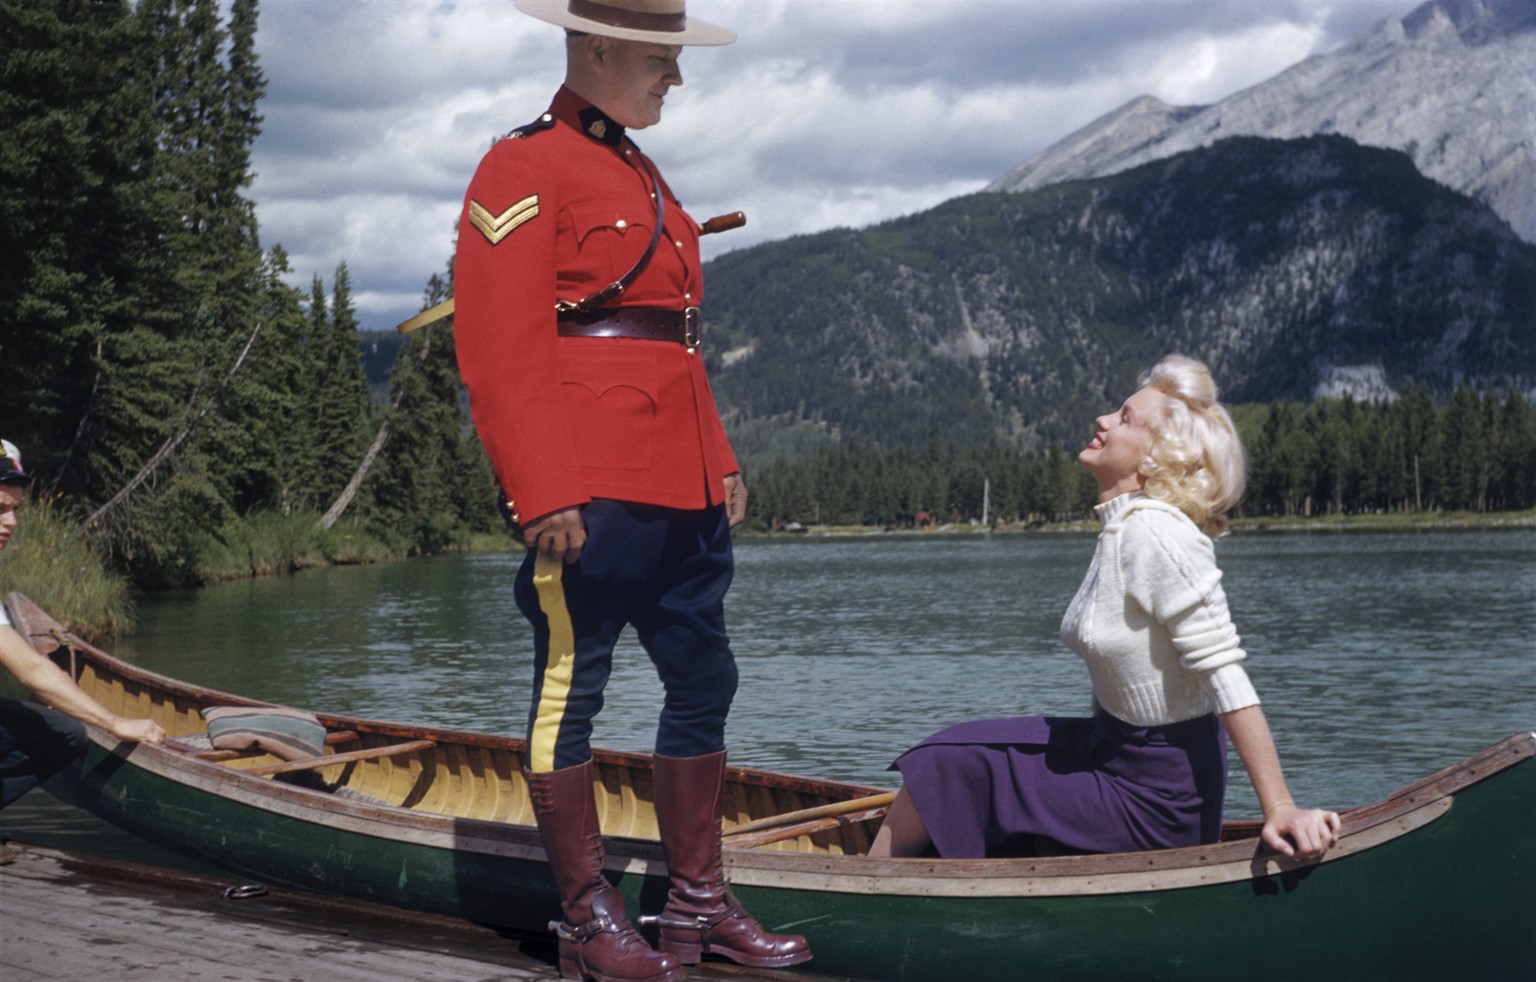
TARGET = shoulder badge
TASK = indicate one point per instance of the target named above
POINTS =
(544, 122)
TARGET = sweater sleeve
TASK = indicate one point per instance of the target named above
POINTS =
(1171, 572)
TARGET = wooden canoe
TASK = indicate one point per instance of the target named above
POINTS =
(1436, 881)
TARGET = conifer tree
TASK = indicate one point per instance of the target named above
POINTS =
(432, 482)
(1515, 473)
(1422, 445)
(160, 374)
(77, 224)
(340, 409)
(1464, 442)
(267, 454)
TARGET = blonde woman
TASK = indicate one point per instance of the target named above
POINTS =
(1148, 769)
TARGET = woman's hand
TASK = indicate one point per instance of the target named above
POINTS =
(1302, 834)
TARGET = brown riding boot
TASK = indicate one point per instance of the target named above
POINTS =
(702, 917)
(596, 940)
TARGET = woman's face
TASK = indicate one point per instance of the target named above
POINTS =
(1122, 439)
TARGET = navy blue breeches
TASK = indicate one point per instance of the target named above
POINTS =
(35, 743)
(661, 570)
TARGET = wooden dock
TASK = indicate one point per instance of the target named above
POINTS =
(69, 916)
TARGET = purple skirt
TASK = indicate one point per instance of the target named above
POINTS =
(1036, 785)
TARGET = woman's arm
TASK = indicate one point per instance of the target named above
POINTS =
(1303, 834)
(53, 686)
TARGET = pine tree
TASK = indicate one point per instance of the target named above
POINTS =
(78, 228)
(1464, 445)
(1422, 445)
(184, 317)
(340, 406)
(431, 483)
(1515, 472)
(268, 454)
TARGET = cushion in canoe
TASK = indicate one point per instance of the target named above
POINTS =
(291, 734)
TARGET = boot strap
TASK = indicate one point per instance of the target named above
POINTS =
(581, 933)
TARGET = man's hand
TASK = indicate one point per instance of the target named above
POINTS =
(559, 535)
(138, 730)
(735, 499)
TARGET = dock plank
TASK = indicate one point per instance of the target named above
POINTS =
(67, 916)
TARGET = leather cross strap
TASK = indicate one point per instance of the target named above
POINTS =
(618, 286)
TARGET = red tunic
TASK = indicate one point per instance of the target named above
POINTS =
(557, 214)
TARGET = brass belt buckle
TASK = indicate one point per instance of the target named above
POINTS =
(691, 328)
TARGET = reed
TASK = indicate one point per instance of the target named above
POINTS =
(269, 543)
(51, 561)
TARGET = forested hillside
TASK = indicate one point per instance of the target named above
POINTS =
(1294, 268)
(1330, 457)
(187, 407)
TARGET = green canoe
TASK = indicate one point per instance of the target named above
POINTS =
(1437, 881)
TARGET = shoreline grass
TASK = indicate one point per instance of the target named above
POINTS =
(51, 561)
(1297, 524)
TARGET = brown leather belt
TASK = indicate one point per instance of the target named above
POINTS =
(645, 323)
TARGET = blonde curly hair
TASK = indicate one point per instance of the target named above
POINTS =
(1196, 462)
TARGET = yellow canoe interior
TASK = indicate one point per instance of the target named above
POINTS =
(458, 774)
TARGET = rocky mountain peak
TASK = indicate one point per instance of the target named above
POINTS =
(1452, 84)
(1475, 22)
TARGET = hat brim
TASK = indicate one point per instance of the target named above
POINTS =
(695, 31)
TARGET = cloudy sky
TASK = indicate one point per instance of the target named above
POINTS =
(824, 113)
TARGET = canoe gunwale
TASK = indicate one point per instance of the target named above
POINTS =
(1364, 827)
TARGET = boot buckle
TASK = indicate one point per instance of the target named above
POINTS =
(581, 933)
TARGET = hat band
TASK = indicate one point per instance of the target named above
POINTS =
(633, 20)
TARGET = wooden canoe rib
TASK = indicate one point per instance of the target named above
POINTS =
(1436, 880)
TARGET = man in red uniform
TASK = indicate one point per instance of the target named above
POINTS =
(577, 284)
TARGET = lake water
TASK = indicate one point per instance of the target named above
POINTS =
(1381, 657)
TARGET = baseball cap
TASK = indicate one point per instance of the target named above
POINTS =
(10, 464)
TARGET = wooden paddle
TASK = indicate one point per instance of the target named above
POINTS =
(807, 814)
(765, 837)
(326, 760)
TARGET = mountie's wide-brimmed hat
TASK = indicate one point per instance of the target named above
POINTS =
(658, 21)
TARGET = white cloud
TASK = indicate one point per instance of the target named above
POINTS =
(824, 114)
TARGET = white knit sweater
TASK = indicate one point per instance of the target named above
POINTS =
(1151, 619)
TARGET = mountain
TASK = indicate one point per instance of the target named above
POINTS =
(1452, 84)
(1294, 268)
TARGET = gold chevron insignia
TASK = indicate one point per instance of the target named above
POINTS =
(498, 227)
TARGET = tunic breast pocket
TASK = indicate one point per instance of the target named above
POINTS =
(609, 238)
(612, 396)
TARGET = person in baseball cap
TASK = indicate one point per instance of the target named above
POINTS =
(37, 740)
(11, 471)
